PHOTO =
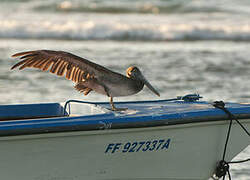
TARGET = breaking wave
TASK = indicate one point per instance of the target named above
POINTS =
(123, 7)
(91, 30)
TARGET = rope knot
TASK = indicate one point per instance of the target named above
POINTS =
(221, 169)
(219, 104)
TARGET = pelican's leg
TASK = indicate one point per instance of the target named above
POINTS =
(113, 108)
(112, 104)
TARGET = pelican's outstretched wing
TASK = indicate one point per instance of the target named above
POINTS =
(76, 68)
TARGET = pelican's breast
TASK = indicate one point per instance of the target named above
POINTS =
(122, 86)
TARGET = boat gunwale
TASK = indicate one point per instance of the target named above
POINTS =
(112, 120)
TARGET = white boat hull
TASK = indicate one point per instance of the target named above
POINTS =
(187, 150)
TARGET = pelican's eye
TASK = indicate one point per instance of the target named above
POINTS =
(134, 70)
(130, 71)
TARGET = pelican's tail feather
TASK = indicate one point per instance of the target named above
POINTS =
(82, 88)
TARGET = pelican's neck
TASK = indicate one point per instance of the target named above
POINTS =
(138, 84)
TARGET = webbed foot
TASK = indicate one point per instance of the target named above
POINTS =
(113, 108)
(119, 109)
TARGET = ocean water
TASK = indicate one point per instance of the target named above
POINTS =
(182, 46)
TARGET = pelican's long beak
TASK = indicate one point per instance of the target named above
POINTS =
(145, 81)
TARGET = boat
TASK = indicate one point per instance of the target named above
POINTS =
(181, 138)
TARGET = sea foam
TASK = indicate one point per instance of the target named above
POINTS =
(94, 30)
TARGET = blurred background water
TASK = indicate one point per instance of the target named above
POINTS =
(182, 46)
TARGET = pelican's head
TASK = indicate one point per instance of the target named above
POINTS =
(134, 73)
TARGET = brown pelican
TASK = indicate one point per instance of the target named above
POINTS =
(87, 75)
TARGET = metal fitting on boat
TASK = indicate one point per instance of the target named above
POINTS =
(190, 97)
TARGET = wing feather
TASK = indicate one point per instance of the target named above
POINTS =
(71, 77)
(23, 53)
(54, 66)
(80, 76)
(26, 56)
(27, 63)
(69, 69)
(36, 63)
(71, 73)
(77, 74)
(39, 64)
(19, 63)
(47, 65)
(62, 69)
(62, 63)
